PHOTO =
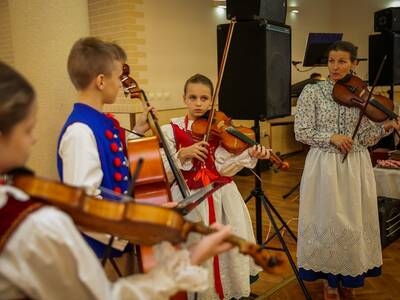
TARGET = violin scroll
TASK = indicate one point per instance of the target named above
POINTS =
(280, 164)
(129, 85)
(273, 264)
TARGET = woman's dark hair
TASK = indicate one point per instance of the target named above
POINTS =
(16, 98)
(199, 78)
(346, 47)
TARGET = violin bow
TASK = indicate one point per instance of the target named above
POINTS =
(366, 103)
(219, 78)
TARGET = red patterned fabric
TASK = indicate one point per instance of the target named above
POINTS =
(200, 176)
(184, 139)
(12, 215)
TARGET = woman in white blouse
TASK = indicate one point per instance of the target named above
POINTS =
(338, 220)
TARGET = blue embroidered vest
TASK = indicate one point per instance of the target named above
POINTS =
(110, 147)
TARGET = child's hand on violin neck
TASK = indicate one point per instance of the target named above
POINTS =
(343, 142)
(395, 124)
(198, 150)
(211, 245)
(142, 125)
(260, 152)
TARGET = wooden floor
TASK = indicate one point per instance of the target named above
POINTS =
(385, 287)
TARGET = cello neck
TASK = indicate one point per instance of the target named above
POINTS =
(157, 131)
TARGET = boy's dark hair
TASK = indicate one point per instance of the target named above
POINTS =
(16, 98)
(344, 46)
(199, 78)
(88, 58)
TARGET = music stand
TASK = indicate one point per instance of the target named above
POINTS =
(316, 53)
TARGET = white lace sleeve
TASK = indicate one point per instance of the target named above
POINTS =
(229, 164)
(173, 273)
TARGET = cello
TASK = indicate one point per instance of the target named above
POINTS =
(152, 184)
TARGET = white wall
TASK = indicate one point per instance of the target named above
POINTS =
(180, 41)
(42, 36)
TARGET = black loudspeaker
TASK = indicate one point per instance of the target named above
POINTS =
(272, 10)
(257, 77)
(380, 45)
(389, 220)
(387, 19)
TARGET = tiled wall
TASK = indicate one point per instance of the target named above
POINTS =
(121, 21)
(6, 49)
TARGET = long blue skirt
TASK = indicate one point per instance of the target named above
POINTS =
(334, 281)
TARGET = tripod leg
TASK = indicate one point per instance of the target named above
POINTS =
(107, 254)
(107, 251)
(258, 221)
(280, 218)
(114, 264)
(291, 190)
(271, 237)
(249, 197)
(254, 194)
(285, 248)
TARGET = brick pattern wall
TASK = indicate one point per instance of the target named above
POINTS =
(121, 21)
(6, 46)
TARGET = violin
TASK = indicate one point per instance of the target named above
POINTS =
(352, 91)
(235, 139)
(137, 222)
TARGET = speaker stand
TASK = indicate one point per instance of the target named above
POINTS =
(261, 199)
(391, 92)
(292, 190)
(107, 256)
